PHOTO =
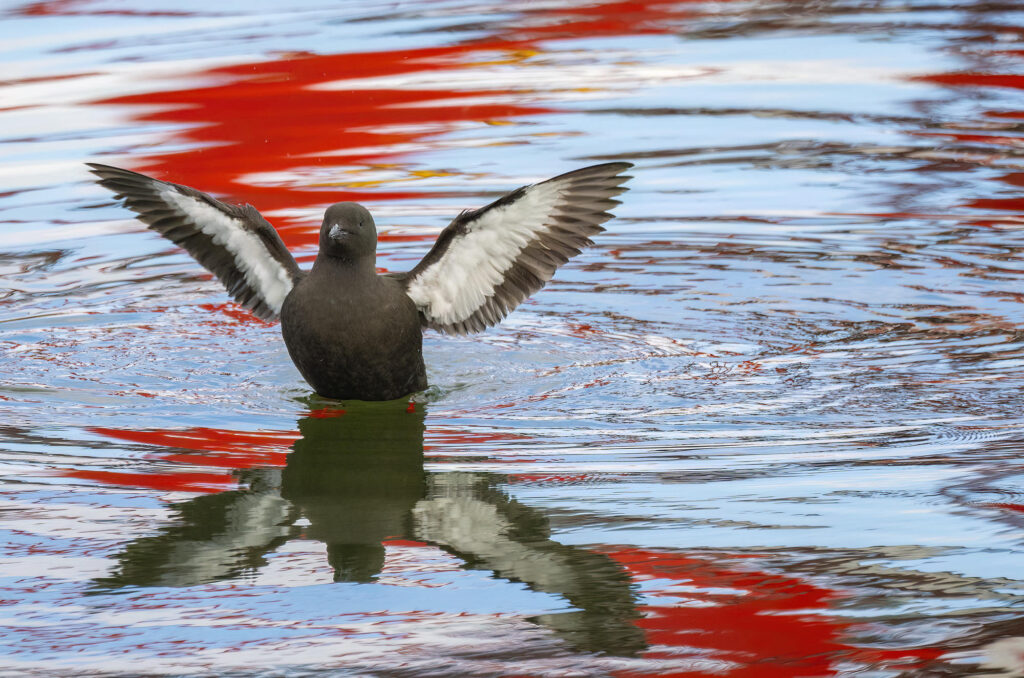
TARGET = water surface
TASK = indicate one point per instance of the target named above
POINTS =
(770, 425)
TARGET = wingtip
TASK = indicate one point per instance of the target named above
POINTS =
(104, 173)
(605, 171)
(619, 166)
(107, 172)
(99, 167)
(614, 171)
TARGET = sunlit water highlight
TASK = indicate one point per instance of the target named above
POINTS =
(770, 425)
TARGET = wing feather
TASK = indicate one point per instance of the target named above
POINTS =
(487, 261)
(233, 242)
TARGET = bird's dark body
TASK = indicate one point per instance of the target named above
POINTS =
(365, 342)
(367, 345)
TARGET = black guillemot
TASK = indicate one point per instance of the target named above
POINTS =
(357, 334)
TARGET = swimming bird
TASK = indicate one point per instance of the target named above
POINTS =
(356, 334)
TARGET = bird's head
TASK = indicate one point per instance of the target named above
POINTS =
(348, 232)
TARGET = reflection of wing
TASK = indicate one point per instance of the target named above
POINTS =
(219, 536)
(487, 261)
(467, 515)
(235, 243)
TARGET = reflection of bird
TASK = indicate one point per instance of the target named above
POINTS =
(358, 479)
(356, 334)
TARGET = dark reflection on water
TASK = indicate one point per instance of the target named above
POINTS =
(357, 476)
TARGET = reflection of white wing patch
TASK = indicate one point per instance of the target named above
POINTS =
(252, 522)
(264, 274)
(475, 262)
(487, 261)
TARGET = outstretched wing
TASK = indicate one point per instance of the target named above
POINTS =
(234, 242)
(487, 261)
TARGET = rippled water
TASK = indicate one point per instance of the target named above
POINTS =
(769, 426)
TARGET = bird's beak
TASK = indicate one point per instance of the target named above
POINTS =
(337, 232)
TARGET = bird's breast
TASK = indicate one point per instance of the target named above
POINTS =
(362, 342)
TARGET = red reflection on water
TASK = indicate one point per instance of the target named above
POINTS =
(239, 450)
(982, 81)
(267, 119)
(406, 543)
(206, 439)
(327, 413)
(976, 80)
(178, 481)
(270, 117)
(448, 436)
(218, 448)
(236, 450)
(264, 117)
(235, 312)
(1008, 507)
(766, 625)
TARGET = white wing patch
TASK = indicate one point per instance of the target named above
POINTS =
(487, 261)
(234, 242)
(263, 273)
(476, 262)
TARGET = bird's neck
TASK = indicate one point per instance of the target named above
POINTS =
(328, 266)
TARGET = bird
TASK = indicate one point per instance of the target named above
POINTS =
(354, 333)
